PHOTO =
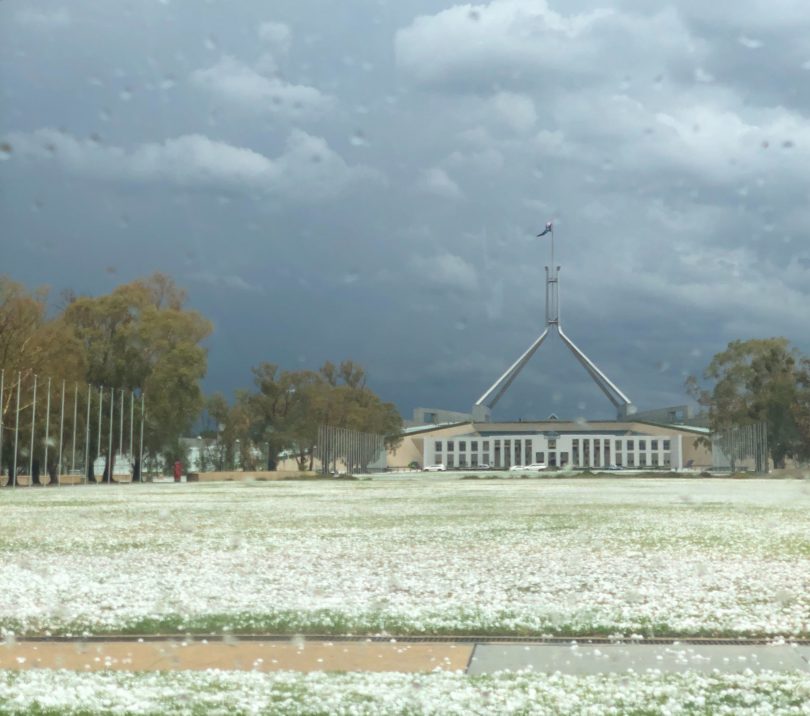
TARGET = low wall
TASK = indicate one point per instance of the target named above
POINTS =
(25, 480)
(247, 475)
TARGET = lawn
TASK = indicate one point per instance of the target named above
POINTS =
(422, 555)
(445, 694)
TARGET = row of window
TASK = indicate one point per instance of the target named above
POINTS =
(585, 452)
(653, 460)
(552, 444)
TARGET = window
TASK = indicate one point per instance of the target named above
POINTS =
(540, 456)
(574, 451)
(462, 445)
(654, 459)
(631, 445)
(642, 444)
(653, 445)
(563, 459)
(462, 460)
(552, 443)
(473, 446)
(667, 459)
(486, 458)
(527, 452)
(438, 446)
(485, 445)
(617, 446)
(474, 460)
(666, 445)
(450, 461)
(631, 459)
(450, 446)
(642, 459)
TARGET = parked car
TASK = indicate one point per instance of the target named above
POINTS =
(482, 466)
(434, 468)
(528, 468)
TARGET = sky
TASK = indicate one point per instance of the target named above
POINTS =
(365, 179)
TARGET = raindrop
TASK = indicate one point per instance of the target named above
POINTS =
(125, 95)
(765, 144)
(749, 42)
(5, 151)
(210, 43)
(702, 76)
(358, 139)
(787, 144)
(474, 15)
(461, 324)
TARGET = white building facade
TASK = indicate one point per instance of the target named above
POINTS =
(556, 450)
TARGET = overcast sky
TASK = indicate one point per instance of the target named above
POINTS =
(359, 179)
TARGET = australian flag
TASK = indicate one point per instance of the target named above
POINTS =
(547, 230)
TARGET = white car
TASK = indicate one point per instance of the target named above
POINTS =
(535, 466)
(434, 468)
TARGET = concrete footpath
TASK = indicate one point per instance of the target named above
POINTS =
(474, 657)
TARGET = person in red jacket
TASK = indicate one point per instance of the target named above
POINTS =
(178, 470)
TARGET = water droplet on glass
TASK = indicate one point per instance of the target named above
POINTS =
(358, 139)
(5, 151)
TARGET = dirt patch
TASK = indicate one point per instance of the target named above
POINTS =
(295, 655)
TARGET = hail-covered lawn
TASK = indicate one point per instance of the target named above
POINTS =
(223, 692)
(429, 555)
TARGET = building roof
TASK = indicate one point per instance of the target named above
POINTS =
(413, 429)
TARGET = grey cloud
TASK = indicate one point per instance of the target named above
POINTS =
(251, 90)
(436, 181)
(307, 169)
(524, 42)
(47, 18)
(447, 271)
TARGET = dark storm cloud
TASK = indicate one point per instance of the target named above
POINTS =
(366, 179)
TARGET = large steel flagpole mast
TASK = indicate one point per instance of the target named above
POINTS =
(483, 406)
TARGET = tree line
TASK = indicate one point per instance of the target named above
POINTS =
(143, 338)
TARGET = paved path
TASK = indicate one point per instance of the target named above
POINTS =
(482, 657)
(583, 659)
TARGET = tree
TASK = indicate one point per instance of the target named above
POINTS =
(759, 380)
(32, 344)
(140, 337)
(288, 407)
